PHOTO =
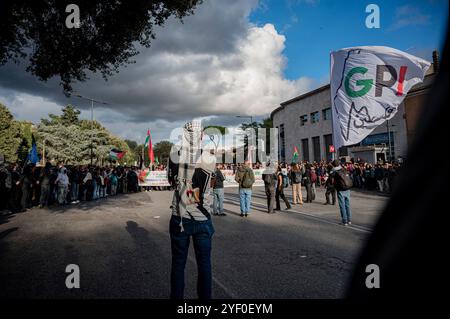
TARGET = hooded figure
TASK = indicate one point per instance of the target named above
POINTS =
(190, 172)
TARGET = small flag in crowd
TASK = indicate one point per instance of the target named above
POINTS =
(116, 155)
(148, 144)
(367, 85)
(33, 155)
(295, 156)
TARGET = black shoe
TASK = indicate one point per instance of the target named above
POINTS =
(223, 214)
(246, 215)
(326, 203)
(242, 215)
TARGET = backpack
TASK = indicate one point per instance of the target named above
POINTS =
(297, 177)
(247, 181)
(285, 180)
(343, 180)
(313, 176)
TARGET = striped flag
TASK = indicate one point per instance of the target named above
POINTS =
(148, 144)
(295, 156)
(115, 154)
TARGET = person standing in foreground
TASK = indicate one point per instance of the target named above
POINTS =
(270, 180)
(282, 182)
(191, 212)
(245, 178)
(342, 183)
(218, 192)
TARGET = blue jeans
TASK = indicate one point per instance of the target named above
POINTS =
(218, 201)
(62, 193)
(245, 198)
(95, 189)
(201, 233)
(344, 205)
(74, 191)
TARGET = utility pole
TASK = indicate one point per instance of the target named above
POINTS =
(92, 118)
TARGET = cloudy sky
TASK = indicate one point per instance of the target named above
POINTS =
(234, 57)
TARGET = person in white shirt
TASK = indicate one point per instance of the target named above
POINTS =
(62, 181)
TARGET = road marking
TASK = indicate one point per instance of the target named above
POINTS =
(325, 220)
(149, 197)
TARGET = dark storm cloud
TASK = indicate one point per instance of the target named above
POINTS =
(215, 64)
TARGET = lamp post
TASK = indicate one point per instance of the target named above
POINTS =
(251, 124)
(246, 117)
(92, 114)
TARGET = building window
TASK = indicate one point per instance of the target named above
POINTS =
(303, 120)
(314, 117)
(316, 148)
(326, 114)
(305, 149)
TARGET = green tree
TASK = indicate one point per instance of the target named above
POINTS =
(69, 115)
(266, 123)
(162, 150)
(131, 144)
(25, 132)
(222, 129)
(10, 138)
(70, 140)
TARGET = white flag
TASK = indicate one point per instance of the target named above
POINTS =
(367, 85)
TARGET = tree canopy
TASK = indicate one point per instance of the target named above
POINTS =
(106, 39)
(162, 151)
(69, 139)
(15, 136)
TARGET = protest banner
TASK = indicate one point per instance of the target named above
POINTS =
(153, 178)
(159, 178)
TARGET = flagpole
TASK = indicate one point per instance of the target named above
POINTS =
(333, 139)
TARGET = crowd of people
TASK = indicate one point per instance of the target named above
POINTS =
(380, 176)
(22, 188)
(278, 177)
(374, 177)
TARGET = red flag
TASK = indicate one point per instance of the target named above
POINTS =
(148, 141)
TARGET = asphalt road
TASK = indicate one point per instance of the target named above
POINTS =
(122, 247)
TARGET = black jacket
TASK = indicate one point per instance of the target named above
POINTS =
(219, 178)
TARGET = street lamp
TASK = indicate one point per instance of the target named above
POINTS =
(246, 117)
(251, 125)
(92, 113)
